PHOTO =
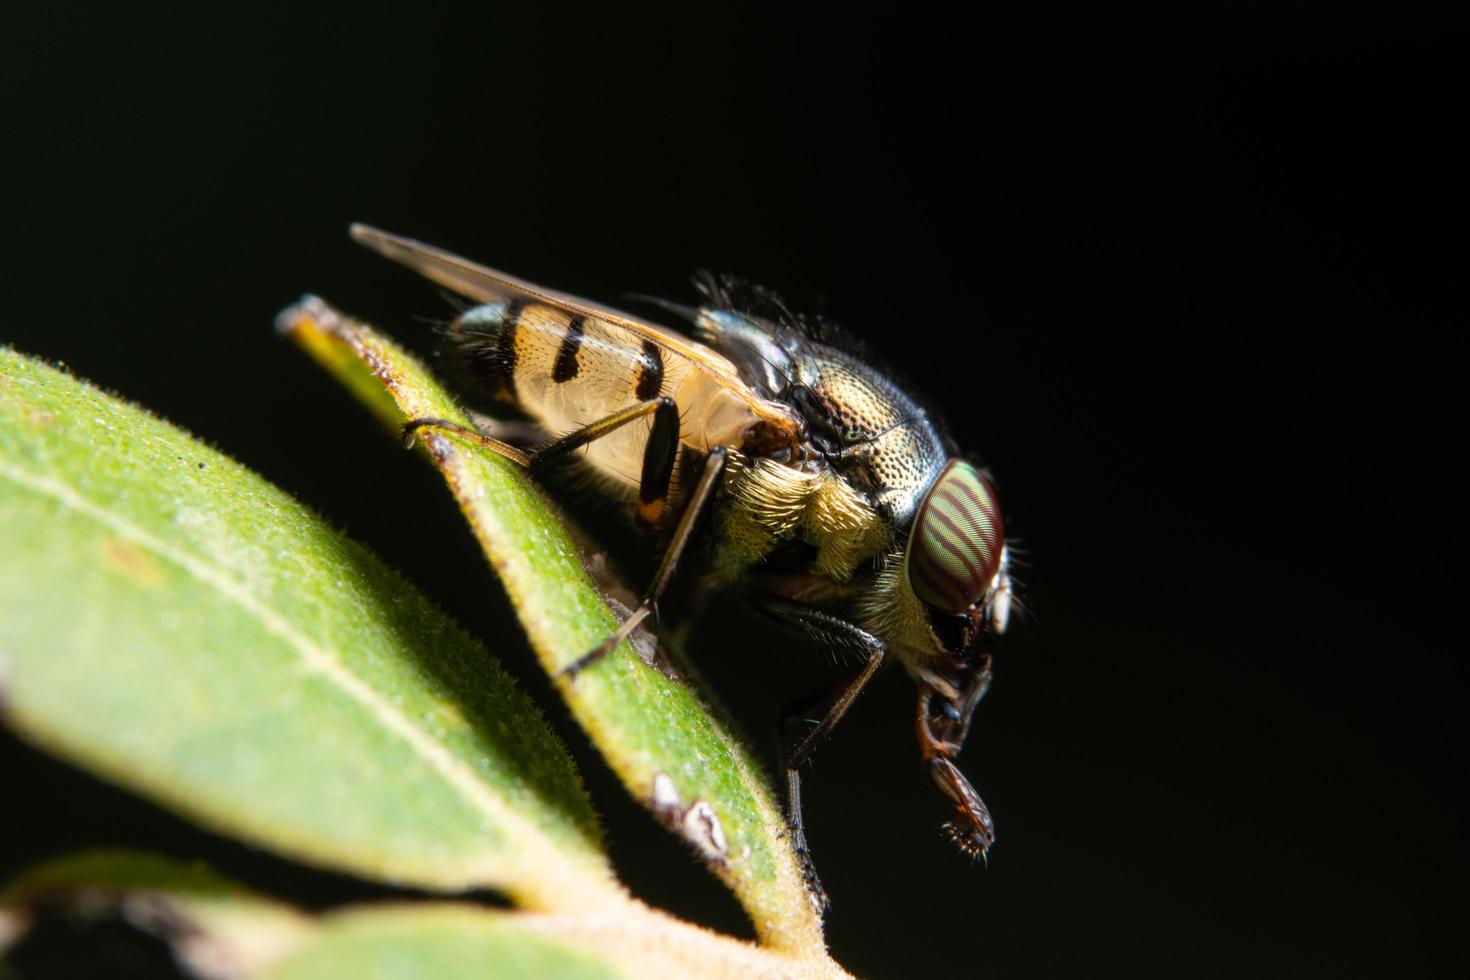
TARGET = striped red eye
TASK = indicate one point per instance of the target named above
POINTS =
(955, 545)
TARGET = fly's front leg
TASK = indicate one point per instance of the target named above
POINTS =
(972, 830)
(796, 747)
(948, 716)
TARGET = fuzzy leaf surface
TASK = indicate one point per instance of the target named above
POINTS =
(176, 624)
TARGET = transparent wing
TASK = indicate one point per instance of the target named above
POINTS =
(488, 285)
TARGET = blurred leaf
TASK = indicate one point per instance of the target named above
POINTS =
(441, 941)
(216, 928)
(653, 729)
(221, 931)
(435, 942)
(174, 623)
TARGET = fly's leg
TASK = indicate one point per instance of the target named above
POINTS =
(792, 715)
(663, 439)
(699, 500)
(941, 734)
(465, 434)
(797, 747)
(948, 727)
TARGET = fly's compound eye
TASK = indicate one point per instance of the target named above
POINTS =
(957, 540)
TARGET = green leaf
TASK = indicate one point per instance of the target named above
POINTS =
(215, 927)
(651, 726)
(442, 941)
(219, 929)
(437, 942)
(174, 623)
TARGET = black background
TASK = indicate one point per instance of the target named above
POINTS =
(1191, 283)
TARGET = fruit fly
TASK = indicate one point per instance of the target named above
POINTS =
(813, 481)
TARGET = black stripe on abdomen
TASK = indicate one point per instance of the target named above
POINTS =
(505, 346)
(484, 338)
(565, 368)
(650, 372)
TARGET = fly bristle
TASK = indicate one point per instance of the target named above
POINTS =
(727, 292)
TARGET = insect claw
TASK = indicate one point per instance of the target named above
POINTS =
(814, 890)
(412, 426)
(972, 840)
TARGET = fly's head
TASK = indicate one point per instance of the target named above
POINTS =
(956, 564)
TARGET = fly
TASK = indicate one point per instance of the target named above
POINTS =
(818, 485)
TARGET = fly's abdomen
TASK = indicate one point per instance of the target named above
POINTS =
(567, 371)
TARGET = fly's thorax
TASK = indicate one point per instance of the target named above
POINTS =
(769, 356)
(865, 426)
(875, 435)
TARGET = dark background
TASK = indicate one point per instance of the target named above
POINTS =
(1191, 283)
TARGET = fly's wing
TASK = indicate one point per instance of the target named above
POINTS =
(488, 285)
(717, 407)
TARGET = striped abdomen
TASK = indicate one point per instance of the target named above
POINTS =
(567, 370)
(956, 543)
